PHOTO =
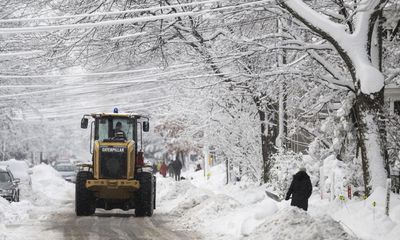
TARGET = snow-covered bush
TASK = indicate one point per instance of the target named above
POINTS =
(286, 165)
(335, 177)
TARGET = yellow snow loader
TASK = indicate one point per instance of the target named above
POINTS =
(117, 176)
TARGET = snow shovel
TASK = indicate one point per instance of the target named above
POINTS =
(273, 196)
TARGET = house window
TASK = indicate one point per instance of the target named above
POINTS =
(396, 107)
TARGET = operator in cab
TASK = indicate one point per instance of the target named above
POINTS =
(118, 132)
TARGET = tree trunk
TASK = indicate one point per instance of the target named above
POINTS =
(269, 133)
(371, 138)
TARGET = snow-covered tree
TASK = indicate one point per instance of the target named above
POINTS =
(356, 40)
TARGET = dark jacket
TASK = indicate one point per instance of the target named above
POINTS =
(300, 189)
(177, 165)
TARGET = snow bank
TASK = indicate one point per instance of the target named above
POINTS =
(49, 187)
(48, 190)
(49, 194)
(13, 212)
(368, 220)
(293, 224)
(242, 210)
(222, 211)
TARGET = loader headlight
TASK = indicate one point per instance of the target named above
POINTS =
(6, 192)
(148, 169)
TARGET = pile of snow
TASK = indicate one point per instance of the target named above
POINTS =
(49, 187)
(14, 212)
(293, 224)
(207, 205)
(367, 219)
(49, 194)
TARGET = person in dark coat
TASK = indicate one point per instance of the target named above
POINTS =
(171, 172)
(177, 165)
(300, 189)
(118, 132)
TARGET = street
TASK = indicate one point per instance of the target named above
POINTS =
(62, 223)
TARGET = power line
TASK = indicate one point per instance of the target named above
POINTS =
(51, 28)
(89, 74)
(155, 8)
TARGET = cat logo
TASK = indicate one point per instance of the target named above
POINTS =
(112, 149)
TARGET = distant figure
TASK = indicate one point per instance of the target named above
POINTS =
(198, 167)
(171, 172)
(154, 168)
(158, 166)
(163, 169)
(177, 165)
(300, 189)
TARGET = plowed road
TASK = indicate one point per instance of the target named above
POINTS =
(46, 224)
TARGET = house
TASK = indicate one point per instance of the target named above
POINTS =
(392, 96)
(300, 140)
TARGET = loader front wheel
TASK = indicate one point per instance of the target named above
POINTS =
(85, 202)
(144, 204)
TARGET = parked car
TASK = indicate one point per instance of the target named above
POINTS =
(20, 169)
(9, 188)
(67, 171)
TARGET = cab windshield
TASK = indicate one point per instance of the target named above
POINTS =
(109, 127)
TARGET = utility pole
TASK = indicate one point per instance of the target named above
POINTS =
(206, 155)
(3, 151)
(282, 129)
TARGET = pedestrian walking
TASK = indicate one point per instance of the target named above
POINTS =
(300, 189)
(171, 172)
(163, 169)
(177, 165)
(154, 168)
(158, 166)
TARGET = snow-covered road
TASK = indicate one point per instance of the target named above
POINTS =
(104, 225)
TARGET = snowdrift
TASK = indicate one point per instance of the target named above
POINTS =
(14, 212)
(221, 211)
(367, 219)
(49, 187)
(48, 190)
(242, 210)
(293, 223)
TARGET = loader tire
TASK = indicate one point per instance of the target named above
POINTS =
(144, 204)
(85, 202)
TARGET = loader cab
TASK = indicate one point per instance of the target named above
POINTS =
(103, 128)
